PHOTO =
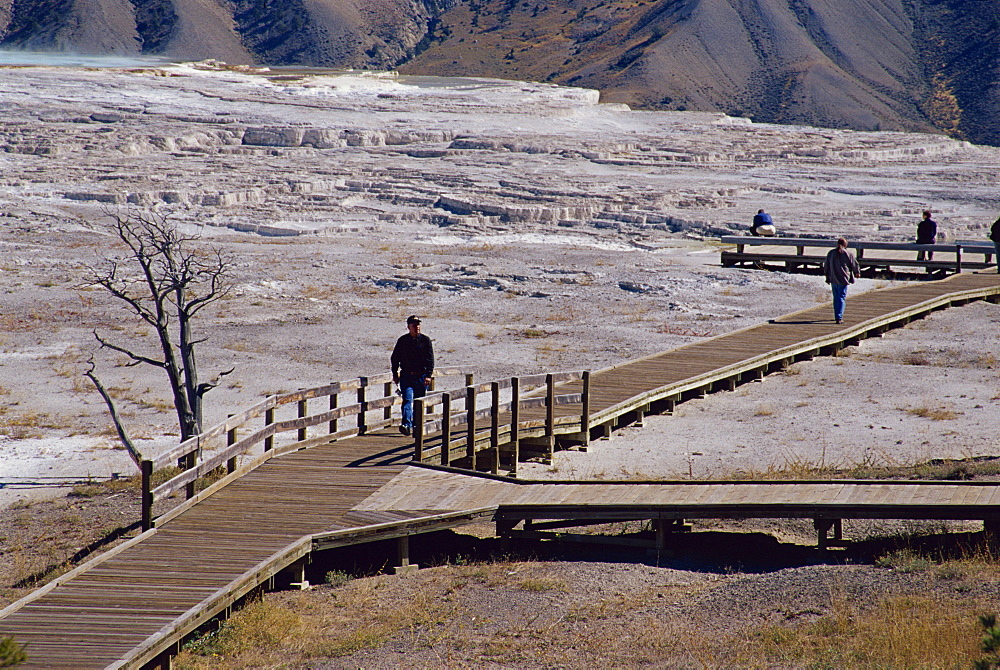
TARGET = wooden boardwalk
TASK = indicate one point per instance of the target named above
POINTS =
(656, 382)
(125, 605)
(131, 606)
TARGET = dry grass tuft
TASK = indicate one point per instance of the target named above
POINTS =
(933, 413)
(764, 409)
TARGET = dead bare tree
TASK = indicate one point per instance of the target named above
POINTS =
(165, 281)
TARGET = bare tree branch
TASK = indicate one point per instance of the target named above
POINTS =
(136, 358)
(205, 387)
(119, 426)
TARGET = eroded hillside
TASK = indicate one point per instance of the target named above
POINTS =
(916, 65)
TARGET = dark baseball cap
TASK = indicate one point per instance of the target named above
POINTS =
(412, 319)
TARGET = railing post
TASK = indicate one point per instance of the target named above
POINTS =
(230, 441)
(550, 412)
(470, 378)
(418, 429)
(146, 468)
(515, 412)
(333, 405)
(495, 426)
(958, 259)
(268, 420)
(363, 404)
(303, 413)
(470, 418)
(446, 429)
(387, 393)
(585, 411)
(187, 462)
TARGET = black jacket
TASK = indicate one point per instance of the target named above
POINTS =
(413, 356)
(926, 231)
(995, 231)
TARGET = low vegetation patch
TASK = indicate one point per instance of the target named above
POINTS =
(979, 467)
(909, 631)
(933, 413)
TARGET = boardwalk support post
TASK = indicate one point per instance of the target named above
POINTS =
(418, 429)
(446, 429)
(146, 468)
(303, 413)
(585, 410)
(333, 405)
(387, 393)
(404, 567)
(495, 427)
(187, 462)
(823, 528)
(230, 441)
(515, 433)
(297, 570)
(268, 420)
(550, 414)
(362, 404)
(470, 418)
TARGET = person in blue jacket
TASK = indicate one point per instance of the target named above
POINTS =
(762, 224)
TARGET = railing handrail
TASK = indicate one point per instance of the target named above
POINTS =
(752, 241)
(460, 413)
(189, 453)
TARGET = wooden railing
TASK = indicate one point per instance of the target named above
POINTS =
(347, 409)
(950, 257)
(464, 426)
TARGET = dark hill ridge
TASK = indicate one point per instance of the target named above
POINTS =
(919, 65)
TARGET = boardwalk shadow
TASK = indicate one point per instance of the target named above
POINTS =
(395, 456)
(717, 552)
(803, 322)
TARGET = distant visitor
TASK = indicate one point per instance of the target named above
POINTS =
(926, 234)
(995, 236)
(762, 226)
(841, 268)
(412, 368)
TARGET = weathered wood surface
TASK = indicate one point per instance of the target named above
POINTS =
(428, 488)
(200, 562)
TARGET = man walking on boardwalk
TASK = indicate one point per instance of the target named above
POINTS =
(412, 368)
(840, 268)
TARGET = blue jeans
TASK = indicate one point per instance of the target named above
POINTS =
(839, 300)
(411, 387)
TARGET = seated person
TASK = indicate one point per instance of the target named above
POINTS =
(762, 226)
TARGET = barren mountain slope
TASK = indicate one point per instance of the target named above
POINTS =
(343, 33)
(823, 62)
